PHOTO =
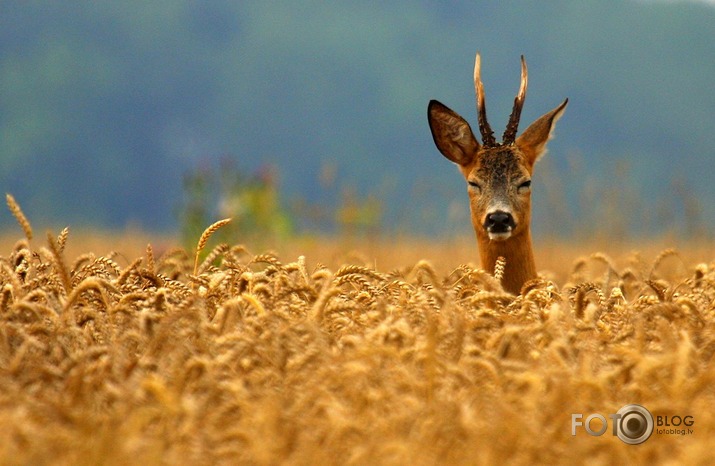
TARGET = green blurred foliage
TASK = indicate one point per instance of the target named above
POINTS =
(250, 200)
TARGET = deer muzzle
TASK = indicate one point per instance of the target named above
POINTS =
(499, 225)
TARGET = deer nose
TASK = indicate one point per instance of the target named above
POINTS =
(499, 222)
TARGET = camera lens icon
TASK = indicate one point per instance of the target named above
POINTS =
(634, 425)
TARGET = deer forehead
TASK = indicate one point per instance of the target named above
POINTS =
(501, 166)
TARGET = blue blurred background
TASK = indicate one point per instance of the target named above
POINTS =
(105, 107)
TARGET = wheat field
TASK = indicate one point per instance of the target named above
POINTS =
(219, 355)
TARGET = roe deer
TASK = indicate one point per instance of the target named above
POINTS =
(498, 178)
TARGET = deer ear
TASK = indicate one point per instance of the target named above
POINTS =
(533, 141)
(452, 134)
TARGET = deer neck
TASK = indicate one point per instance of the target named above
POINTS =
(517, 252)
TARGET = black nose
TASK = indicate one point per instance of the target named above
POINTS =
(499, 222)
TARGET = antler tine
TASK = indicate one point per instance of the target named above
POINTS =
(484, 128)
(513, 125)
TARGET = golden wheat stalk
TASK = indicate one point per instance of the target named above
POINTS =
(254, 302)
(124, 275)
(62, 238)
(215, 253)
(60, 263)
(5, 297)
(670, 252)
(150, 258)
(19, 215)
(92, 283)
(205, 238)
(499, 268)
(578, 295)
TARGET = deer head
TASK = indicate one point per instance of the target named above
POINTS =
(498, 176)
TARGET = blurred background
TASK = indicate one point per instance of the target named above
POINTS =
(310, 117)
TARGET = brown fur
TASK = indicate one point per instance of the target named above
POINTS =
(496, 174)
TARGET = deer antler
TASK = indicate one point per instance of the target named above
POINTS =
(484, 128)
(513, 125)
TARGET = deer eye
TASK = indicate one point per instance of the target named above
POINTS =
(475, 185)
(524, 187)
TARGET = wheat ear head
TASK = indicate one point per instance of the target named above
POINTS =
(19, 215)
(499, 268)
(60, 263)
(205, 238)
(62, 238)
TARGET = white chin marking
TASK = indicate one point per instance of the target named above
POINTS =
(499, 236)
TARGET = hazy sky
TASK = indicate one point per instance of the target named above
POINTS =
(104, 106)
